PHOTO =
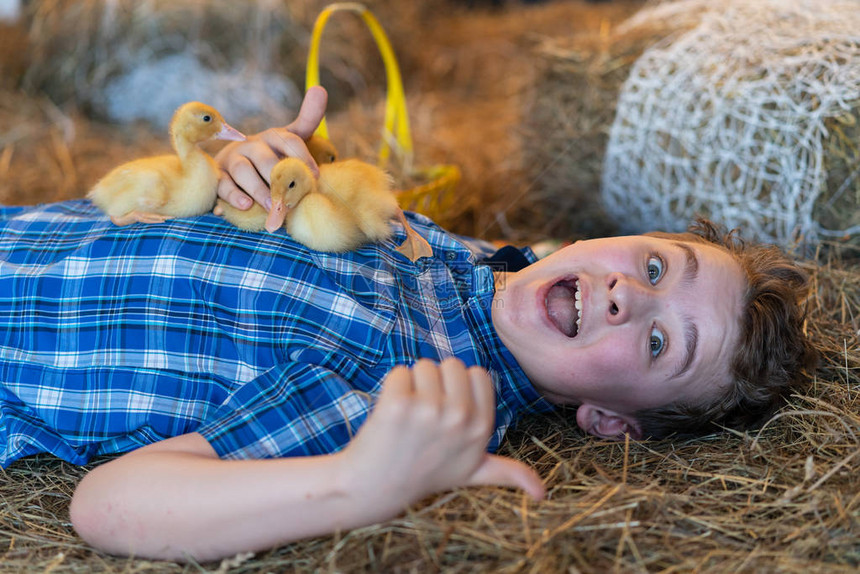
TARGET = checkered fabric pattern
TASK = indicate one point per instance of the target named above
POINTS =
(116, 337)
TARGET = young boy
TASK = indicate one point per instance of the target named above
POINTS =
(263, 393)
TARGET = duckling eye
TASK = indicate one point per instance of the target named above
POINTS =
(655, 269)
(292, 184)
(207, 118)
(332, 158)
(657, 342)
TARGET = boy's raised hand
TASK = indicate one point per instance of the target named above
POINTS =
(428, 432)
(247, 165)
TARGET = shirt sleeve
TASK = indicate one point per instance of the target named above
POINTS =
(297, 409)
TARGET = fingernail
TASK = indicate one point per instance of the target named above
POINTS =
(268, 203)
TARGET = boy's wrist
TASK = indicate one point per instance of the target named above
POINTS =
(363, 486)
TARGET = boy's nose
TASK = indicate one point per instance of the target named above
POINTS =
(627, 298)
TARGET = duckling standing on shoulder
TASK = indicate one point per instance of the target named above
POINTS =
(153, 189)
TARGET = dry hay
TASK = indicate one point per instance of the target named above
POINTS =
(783, 499)
(125, 60)
(49, 155)
(128, 60)
(468, 95)
(748, 118)
(571, 109)
(13, 60)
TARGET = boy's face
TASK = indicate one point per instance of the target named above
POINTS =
(658, 322)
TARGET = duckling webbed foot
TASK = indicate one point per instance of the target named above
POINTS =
(138, 217)
(414, 246)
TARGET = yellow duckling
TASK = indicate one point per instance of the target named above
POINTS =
(351, 204)
(322, 150)
(153, 189)
(254, 219)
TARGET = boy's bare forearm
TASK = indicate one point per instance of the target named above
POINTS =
(176, 499)
(178, 504)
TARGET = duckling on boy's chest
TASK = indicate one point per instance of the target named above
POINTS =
(154, 189)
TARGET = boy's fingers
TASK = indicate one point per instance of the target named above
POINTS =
(503, 471)
(482, 387)
(484, 396)
(243, 175)
(428, 381)
(311, 113)
(397, 382)
(230, 192)
(455, 380)
(288, 144)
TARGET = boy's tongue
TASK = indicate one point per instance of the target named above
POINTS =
(559, 306)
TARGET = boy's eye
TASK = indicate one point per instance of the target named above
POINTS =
(655, 269)
(657, 342)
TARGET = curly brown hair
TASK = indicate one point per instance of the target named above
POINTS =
(773, 356)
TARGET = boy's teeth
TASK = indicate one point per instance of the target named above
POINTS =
(577, 303)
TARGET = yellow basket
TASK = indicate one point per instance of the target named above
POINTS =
(434, 198)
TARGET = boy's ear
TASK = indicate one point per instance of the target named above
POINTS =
(607, 424)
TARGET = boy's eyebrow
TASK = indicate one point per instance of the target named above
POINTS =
(691, 336)
(691, 332)
(691, 263)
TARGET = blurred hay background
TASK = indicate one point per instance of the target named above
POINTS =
(521, 97)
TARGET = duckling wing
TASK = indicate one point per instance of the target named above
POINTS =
(252, 219)
(322, 224)
(366, 190)
(138, 185)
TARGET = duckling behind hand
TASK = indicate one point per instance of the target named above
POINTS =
(154, 189)
(322, 150)
(254, 218)
(351, 204)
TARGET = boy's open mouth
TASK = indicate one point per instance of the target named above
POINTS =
(564, 306)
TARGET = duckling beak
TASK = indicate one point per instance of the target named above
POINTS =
(277, 215)
(229, 133)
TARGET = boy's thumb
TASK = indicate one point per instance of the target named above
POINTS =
(503, 471)
(310, 113)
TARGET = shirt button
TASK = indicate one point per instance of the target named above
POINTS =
(450, 255)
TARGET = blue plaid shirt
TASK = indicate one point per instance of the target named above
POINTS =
(116, 337)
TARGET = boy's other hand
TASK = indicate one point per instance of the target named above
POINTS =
(246, 166)
(428, 433)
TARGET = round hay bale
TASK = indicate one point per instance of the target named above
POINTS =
(749, 118)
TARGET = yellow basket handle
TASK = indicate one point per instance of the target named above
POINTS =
(396, 118)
